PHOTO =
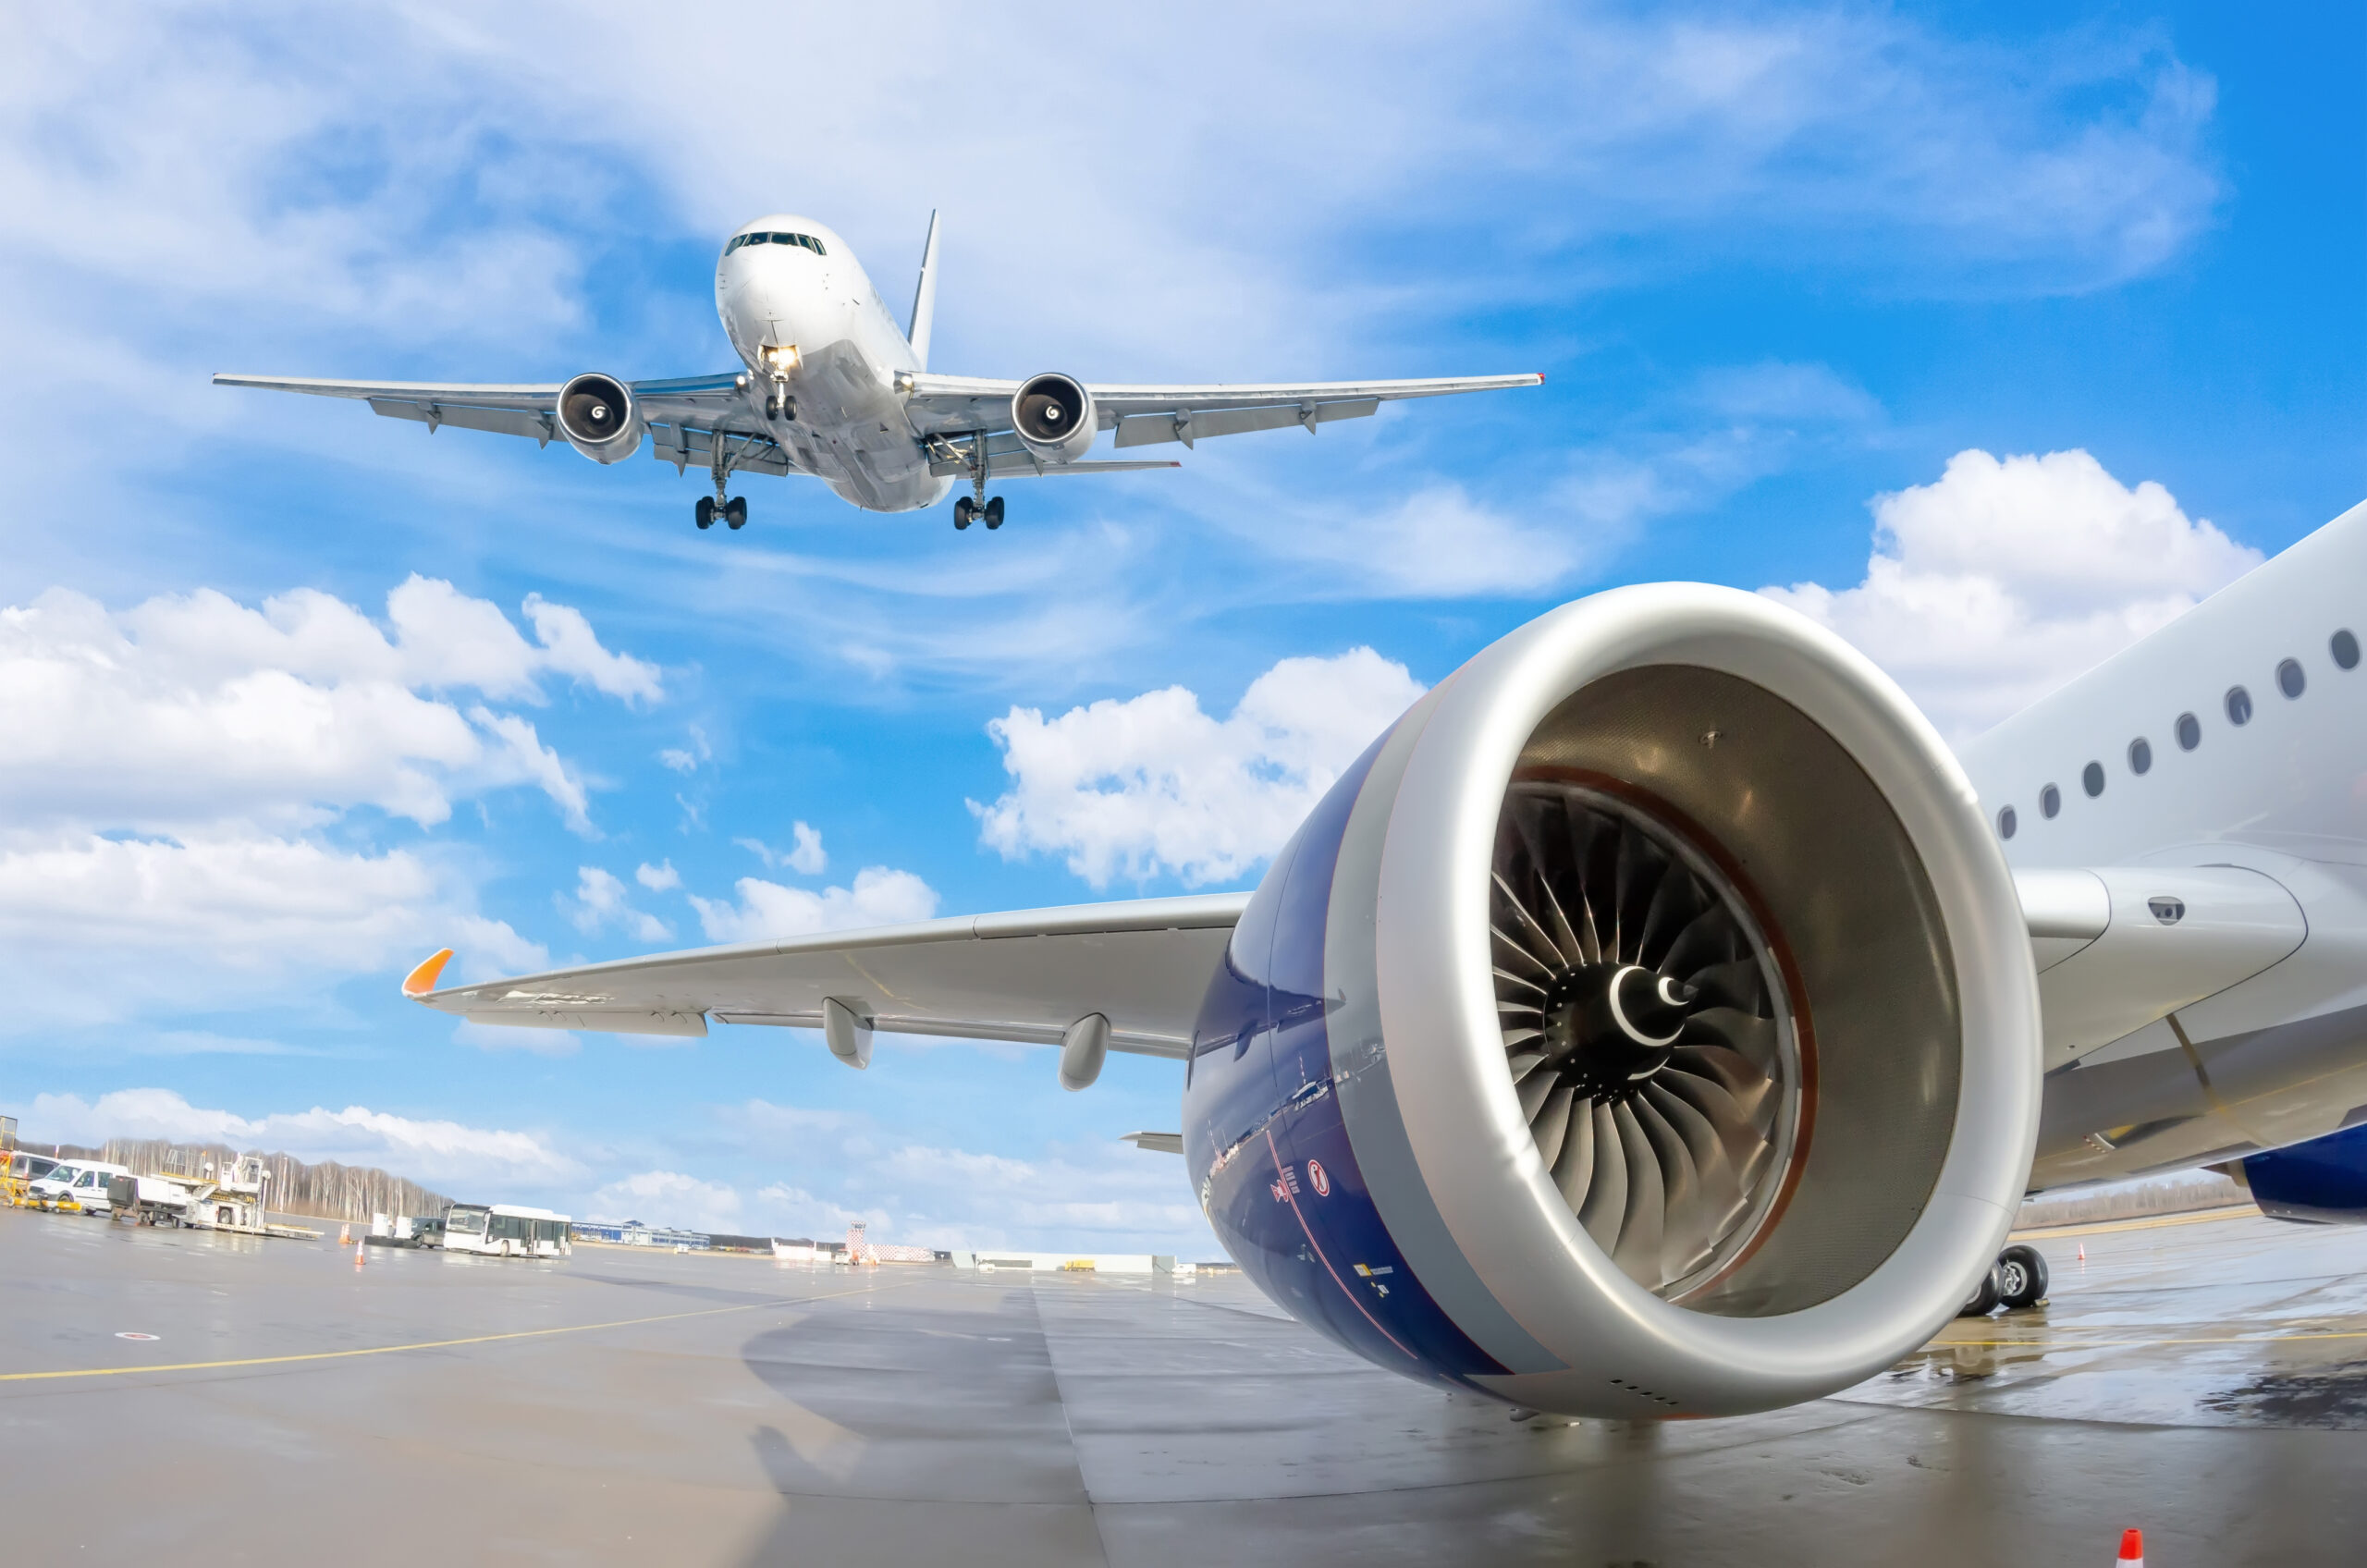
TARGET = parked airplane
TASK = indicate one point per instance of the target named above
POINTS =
(1658, 1020)
(831, 388)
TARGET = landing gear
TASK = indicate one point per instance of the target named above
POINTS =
(963, 510)
(704, 513)
(2021, 1275)
(735, 511)
(2016, 1281)
(994, 512)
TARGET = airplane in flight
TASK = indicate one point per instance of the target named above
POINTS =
(830, 387)
(1659, 1020)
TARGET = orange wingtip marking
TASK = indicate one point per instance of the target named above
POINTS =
(420, 981)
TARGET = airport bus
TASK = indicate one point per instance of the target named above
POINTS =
(506, 1230)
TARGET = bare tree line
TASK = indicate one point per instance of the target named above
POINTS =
(325, 1191)
(2132, 1200)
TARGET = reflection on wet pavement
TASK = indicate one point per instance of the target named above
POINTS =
(2229, 1322)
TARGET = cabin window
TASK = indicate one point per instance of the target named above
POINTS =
(2140, 754)
(2092, 780)
(2050, 800)
(2007, 823)
(2345, 648)
(2289, 679)
(2189, 732)
(2239, 706)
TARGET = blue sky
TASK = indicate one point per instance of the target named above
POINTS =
(2066, 303)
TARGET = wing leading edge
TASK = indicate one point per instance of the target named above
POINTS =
(1025, 976)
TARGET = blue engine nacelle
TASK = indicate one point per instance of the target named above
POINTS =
(1645, 1024)
(2323, 1182)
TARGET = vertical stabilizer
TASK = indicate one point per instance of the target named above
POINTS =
(925, 298)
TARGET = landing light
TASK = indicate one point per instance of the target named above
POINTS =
(783, 358)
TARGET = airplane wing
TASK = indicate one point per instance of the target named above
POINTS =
(1146, 416)
(1144, 965)
(687, 415)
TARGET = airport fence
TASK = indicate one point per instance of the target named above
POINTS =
(2184, 1194)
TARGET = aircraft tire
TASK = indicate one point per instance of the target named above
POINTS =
(963, 510)
(994, 511)
(704, 513)
(1985, 1296)
(2021, 1275)
(735, 511)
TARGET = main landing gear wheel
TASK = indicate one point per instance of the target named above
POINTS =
(735, 511)
(1985, 1296)
(994, 511)
(2021, 1275)
(963, 510)
(704, 513)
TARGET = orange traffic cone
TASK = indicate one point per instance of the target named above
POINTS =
(2083, 1253)
(345, 1235)
(2132, 1548)
(360, 1254)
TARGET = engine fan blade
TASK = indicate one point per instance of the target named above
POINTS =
(1532, 1089)
(1606, 1207)
(1551, 1125)
(1574, 1170)
(1727, 1118)
(1637, 1251)
(1720, 1189)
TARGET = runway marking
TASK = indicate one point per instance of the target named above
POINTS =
(2111, 1344)
(428, 1344)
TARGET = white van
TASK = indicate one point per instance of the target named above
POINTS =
(76, 1184)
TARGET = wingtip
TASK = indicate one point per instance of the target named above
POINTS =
(1540, 376)
(422, 980)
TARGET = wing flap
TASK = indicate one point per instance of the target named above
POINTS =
(541, 426)
(1024, 976)
(1188, 425)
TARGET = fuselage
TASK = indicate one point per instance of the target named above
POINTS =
(823, 353)
(2236, 736)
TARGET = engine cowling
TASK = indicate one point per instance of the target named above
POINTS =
(2323, 1182)
(599, 417)
(1644, 1025)
(1055, 417)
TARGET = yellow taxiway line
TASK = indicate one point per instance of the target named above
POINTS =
(2110, 1344)
(423, 1345)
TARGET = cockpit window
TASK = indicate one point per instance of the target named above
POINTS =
(807, 241)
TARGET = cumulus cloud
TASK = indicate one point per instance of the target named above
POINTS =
(189, 708)
(2005, 578)
(1153, 784)
(806, 855)
(658, 878)
(600, 902)
(766, 911)
(178, 792)
(670, 1198)
(438, 1153)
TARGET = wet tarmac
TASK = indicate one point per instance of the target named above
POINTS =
(2207, 1382)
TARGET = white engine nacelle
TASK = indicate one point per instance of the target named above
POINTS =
(1054, 416)
(598, 417)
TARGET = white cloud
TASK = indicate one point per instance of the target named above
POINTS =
(191, 708)
(668, 1199)
(440, 1153)
(658, 878)
(600, 902)
(804, 855)
(178, 792)
(2004, 578)
(766, 911)
(95, 927)
(1153, 784)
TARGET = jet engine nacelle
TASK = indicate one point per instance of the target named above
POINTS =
(599, 417)
(1054, 416)
(2323, 1182)
(1645, 1025)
